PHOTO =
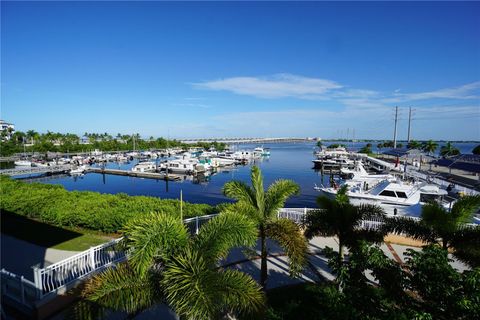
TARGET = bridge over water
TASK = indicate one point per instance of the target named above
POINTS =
(246, 140)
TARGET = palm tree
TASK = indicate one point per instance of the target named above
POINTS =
(476, 150)
(449, 227)
(449, 150)
(31, 134)
(262, 207)
(165, 264)
(430, 146)
(414, 145)
(338, 217)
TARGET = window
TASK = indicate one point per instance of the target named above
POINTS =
(401, 194)
(388, 193)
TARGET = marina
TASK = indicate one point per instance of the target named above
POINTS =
(202, 175)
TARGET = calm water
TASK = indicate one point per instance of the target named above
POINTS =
(287, 161)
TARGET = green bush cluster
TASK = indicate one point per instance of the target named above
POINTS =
(92, 210)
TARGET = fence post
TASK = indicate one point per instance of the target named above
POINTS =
(92, 258)
(196, 225)
(37, 278)
(22, 290)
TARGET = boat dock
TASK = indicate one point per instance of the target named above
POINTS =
(19, 171)
(149, 175)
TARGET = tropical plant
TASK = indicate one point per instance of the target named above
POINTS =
(449, 150)
(262, 207)
(338, 217)
(413, 144)
(476, 150)
(438, 224)
(165, 264)
(443, 292)
(430, 146)
(54, 205)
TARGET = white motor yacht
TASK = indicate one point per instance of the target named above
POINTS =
(78, 170)
(187, 165)
(262, 152)
(394, 196)
(23, 163)
(147, 166)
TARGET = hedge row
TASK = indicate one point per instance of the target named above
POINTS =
(54, 205)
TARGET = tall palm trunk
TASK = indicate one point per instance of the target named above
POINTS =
(263, 256)
(340, 261)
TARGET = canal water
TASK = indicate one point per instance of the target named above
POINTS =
(287, 161)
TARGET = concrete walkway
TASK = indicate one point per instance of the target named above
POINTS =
(20, 256)
(317, 269)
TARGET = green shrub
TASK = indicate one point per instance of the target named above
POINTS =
(104, 212)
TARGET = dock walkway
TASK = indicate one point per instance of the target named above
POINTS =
(149, 175)
(19, 171)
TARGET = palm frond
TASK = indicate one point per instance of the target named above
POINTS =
(366, 211)
(410, 227)
(225, 231)
(464, 209)
(438, 218)
(188, 285)
(291, 239)
(341, 196)
(85, 310)
(257, 184)
(245, 209)
(277, 194)
(121, 288)
(240, 292)
(151, 237)
(466, 245)
(240, 191)
(321, 222)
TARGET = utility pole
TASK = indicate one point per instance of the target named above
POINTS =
(395, 130)
(409, 122)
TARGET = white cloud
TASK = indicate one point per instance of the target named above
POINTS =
(466, 91)
(276, 86)
(193, 105)
(288, 85)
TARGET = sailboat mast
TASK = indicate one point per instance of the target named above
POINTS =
(395, 129)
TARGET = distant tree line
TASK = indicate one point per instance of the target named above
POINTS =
(32, 141)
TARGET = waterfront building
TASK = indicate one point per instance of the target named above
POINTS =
(7, 129)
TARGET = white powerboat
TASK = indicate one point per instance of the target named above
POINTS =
(394, 196)
(23, 163)
(78, 170)
(147, 166)
(187, 165)
(260, 151)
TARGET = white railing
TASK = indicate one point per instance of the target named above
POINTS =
(63, 273)
(18, 288)
(194, 224)
(296, 214)
(66, 273)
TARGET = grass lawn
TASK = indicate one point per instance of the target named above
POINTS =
(49, 236)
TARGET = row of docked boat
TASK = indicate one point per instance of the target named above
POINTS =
(201, 161)
(334, 158)
(397, 195)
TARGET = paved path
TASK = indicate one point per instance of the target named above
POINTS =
(20, 256)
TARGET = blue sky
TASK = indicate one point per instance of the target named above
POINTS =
(242, 69)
